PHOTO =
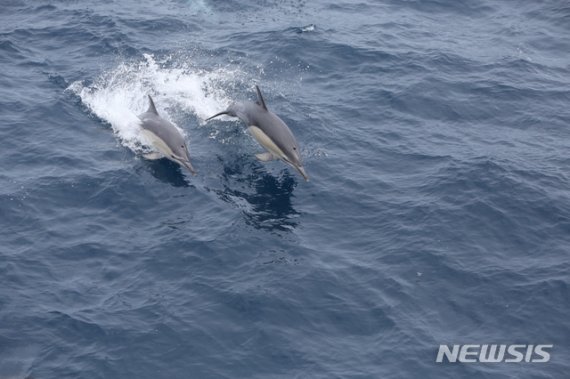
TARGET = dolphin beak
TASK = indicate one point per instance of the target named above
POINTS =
(302, 171)
(188, 166)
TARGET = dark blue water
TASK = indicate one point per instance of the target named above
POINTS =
(436, 134)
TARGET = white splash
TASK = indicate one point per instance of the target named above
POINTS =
(119, 95)
(308, 28)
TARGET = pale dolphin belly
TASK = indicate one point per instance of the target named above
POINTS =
(158, 143)
(266, 142)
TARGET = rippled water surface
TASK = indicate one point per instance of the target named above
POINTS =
(436, 135)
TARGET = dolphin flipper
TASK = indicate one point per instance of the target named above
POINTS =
(265, 157)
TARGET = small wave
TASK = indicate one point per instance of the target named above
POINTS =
(307, 28)
(119, 95)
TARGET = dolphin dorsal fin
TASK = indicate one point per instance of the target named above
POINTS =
(260, 100)
(151, 107)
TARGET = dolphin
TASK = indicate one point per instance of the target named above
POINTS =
(165, 138)
(269, 130)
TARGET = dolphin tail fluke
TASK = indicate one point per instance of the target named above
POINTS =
(219, 114)
(151, 107)
(260, 100)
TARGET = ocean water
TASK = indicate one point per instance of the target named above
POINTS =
(436, 135)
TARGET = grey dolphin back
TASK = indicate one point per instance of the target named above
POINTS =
(244, 111)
